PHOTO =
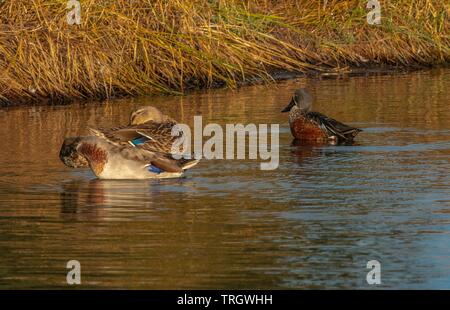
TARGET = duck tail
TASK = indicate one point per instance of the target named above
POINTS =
(95, 132)
(353, 133)
(188, 163)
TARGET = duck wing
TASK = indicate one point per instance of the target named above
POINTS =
(116, 134)
(158, 136)
(163, 161)
(151, 135)
(333, 127)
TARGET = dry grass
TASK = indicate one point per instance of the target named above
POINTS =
(136, 47)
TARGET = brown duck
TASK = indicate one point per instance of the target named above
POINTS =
(148, 128)
(313, 126)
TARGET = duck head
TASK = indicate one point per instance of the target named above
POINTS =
(301, 99)
(86, 151)
(145, 114)
(69, 154)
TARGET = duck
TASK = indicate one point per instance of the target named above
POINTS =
(148, 127)
(150, 135)
(149, 113)
(308, 126)
(108, 160)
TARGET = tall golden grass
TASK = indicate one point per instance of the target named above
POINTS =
(137, 47)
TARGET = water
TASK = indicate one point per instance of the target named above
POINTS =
(314, 222)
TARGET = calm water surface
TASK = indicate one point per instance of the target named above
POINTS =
(314, 222)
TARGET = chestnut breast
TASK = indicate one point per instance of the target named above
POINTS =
(96, 156)
(304, 129)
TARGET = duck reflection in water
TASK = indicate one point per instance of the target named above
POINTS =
(100, 199)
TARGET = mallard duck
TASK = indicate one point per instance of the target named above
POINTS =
(108, 160)
(148, 127)
(313, 126)
(149, 113)
(152, 136)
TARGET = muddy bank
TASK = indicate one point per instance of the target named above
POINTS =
(276, 75)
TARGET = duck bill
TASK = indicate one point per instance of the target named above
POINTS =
(289, 106)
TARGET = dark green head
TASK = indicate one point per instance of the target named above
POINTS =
(301, 99)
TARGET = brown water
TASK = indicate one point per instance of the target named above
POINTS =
(314, 222)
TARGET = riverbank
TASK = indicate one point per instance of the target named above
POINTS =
(123, 48)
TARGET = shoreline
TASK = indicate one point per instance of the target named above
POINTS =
(276, 75)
